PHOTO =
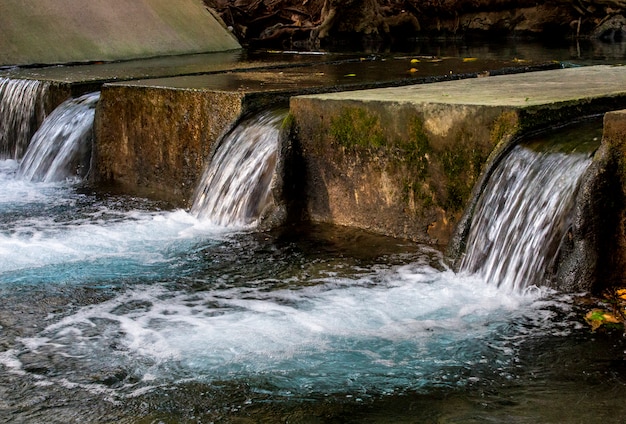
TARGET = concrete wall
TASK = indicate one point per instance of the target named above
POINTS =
(62, 31)
(604, 231)
(155, 142)
(395, 169)
(404, 161)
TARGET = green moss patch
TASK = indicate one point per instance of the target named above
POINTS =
(355, 127)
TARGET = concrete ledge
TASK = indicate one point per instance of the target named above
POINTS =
(63, 31)
(155, 136)
(155, 142)
(404, 161)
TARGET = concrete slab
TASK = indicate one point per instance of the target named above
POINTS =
(404, 161)
(155, 136)
(518, 91)
(63, 31)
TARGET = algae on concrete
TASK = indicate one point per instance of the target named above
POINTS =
(393, 168)
(408, 161)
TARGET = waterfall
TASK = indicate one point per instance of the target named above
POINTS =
(61, 147)
(21, 109)
(236, 186)
(522, 215)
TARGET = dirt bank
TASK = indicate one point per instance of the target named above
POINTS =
(323, 23)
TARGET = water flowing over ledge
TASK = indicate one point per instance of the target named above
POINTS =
(21, 109)
(61, 147)
(236, 187)
(521, 217)
(113, 301)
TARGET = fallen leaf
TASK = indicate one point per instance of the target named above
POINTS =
(598, 317)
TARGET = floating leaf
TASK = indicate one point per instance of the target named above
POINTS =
(470, 59)
(413, 70)
(350, 75)
(415, 61)
(598, 317)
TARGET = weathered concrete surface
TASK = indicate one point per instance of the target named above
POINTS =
(598, 240)
(154, 137)
(62, 31)
(404, 161)
(154, 142)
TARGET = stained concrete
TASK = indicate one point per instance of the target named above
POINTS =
(405, 161)
(155, 136)
(605, 196)
(63, 31)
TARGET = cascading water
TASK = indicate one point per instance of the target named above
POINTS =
(114, 310)
(522, 215)
(61, 147)
(236, 187)
(21, 108)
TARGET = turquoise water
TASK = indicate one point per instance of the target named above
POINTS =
(120, 309)
(117, 309)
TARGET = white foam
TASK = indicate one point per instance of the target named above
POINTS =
(9, 360)
(136, 236)
(385, 323)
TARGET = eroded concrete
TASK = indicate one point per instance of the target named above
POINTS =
(404, 161)
(604, 195)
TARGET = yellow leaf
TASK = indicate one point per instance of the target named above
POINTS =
(412, 70)
(350, 75)
(415, 61)
(470, 59)
(597, 317)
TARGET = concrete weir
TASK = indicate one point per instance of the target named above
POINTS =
(404, 161)
(155, 136)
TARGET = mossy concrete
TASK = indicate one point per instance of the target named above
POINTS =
(155, 137)
(64, 31)
(404, 161)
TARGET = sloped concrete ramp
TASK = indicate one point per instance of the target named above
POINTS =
(64, 31)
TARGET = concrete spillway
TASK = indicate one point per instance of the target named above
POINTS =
(62, 31)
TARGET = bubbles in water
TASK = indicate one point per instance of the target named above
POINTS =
(398, 328)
